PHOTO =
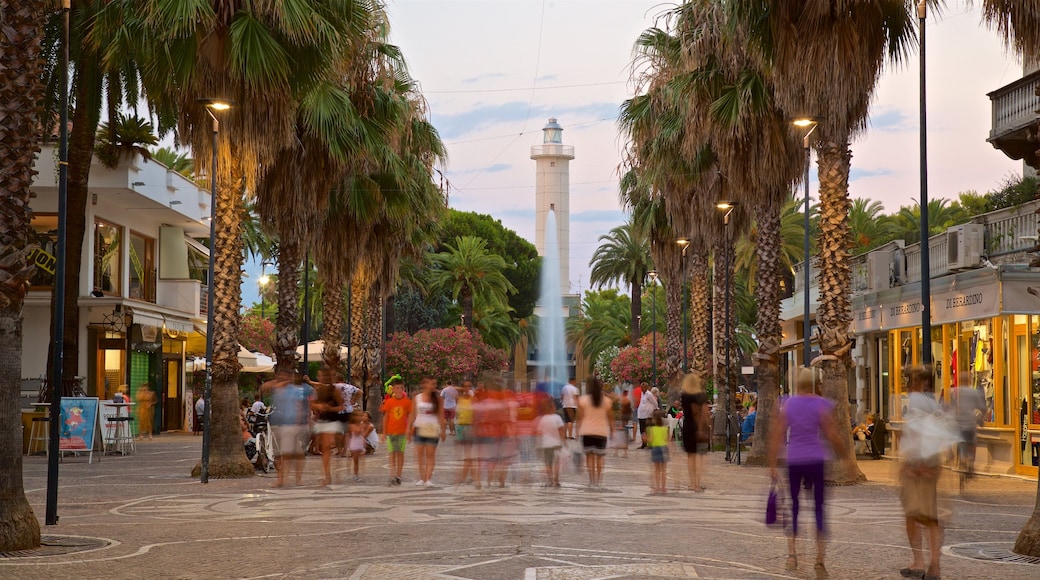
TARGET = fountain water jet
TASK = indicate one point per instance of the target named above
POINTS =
(552, 348)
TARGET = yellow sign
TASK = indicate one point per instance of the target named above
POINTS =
(43, 260)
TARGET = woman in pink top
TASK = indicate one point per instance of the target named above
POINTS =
(595, 425)
(804, 421)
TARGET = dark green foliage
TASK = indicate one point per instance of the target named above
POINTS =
(522, 261)
(413, 313)
(1014, 190)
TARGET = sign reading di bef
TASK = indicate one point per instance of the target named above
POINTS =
(866, 319)
(966, 304)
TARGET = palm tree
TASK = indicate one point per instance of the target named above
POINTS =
(175, 161)
(602, 322)
(20, 92)
(816, 70)
(466, 270)
(623, 256)
(869, 227)
(906, 224)
(1019, 24)
(209, 57)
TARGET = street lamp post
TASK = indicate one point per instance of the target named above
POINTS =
(207, 394)
(728, 207)
(652, 274)
(926, 272)
(262, 281)
(808, 123)
(684, 243)
(58, 329)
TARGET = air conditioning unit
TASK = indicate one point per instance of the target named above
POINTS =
(964, 244)
(878, 274)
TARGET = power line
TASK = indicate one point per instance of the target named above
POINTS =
(518, 89)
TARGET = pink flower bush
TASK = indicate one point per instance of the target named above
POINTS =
(449, 354)
(257, 334)
(634, 364)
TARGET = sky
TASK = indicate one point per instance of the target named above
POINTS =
(494, 71)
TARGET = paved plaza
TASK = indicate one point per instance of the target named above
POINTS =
(142, 516)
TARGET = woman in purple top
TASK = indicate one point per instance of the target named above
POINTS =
(804, 421)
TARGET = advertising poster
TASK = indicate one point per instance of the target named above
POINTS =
(78, 423)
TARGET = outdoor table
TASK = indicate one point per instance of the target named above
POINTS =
(121, 434)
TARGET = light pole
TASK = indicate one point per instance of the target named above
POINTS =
(207, 394)
(728, 207)
(926, 271)
(263, 281)
(652, 274)
(684, 243)
(808, 123)
(58, 330)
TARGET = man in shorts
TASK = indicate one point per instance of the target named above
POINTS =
(569, 397)
(450, 396)
(291, 398)
(396, 409)
(351, 398)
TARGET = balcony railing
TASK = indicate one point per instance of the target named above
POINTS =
(1015, 105)
(1010, 234)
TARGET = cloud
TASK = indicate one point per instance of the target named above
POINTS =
(515, 113)
(857, 173)
(599, 215)
(544, 78)
(484, 77)
(496, 168)
(891, 119)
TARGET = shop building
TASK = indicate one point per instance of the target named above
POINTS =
(142, 293)
(985, 330)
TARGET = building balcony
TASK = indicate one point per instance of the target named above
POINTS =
(1014, 109)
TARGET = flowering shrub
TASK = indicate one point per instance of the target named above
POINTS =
(634, 364)
(449, 354)
(257, 334)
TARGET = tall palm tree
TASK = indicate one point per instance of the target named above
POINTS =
(1019, 24)
(20, 92)
(267, 60)
(623, 256)
(602, 322)
(816, 70)
(906, 223)
(175, 161)
(869, 227)
(466, 270)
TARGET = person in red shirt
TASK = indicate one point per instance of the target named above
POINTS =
(396, 409)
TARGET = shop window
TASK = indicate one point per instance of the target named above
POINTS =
(45, 237)
(142, 268)
(107, 258)
(971, 362)
(1031, 386)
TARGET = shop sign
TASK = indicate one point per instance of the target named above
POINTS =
(902, 314)
(966, 304)
(1021, 296)
(867, 319)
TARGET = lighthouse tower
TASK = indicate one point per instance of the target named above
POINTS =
(552, 192)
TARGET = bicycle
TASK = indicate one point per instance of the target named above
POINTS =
(265, 444)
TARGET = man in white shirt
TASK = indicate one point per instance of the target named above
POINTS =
(258, 405)
(569, 396)
(351, 398)
(450, 396)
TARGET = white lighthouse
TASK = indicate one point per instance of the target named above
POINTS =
(552, 192)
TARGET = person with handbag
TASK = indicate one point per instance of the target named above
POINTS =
(805, 423)
(427, 428)
(696, 427)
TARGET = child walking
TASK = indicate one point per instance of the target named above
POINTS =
(550, 430)
(357, 438)
(657, 440)
(396, 410)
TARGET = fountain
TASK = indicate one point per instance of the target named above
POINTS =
(552, 349)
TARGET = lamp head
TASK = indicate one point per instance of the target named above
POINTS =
(263, 280)
(683, 242)
(216, 104)
(652, 274)
(726, 205)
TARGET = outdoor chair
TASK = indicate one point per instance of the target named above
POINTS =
(876, 444)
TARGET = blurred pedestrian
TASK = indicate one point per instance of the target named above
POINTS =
(595, 425)
(327, 404)
(647, 405)
(922, 445)
(551, 433)
(450, 396)
(291, 397)
(657, 439)
(464, 436)
(569, 398)
(145, 400)
(357, 433)
(696, 427)
(805, 423)
(426, 427)
(396, 410)
(969, 406)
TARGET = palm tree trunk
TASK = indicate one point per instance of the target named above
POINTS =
(20, 91)
(1028, 541)
(637, 310)
(700, 309)
(332, 332)
(358, 298)
(835, 285)
(466, 299)
(372, 336)
(287, 324)
(767, 327)
(227, 455)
